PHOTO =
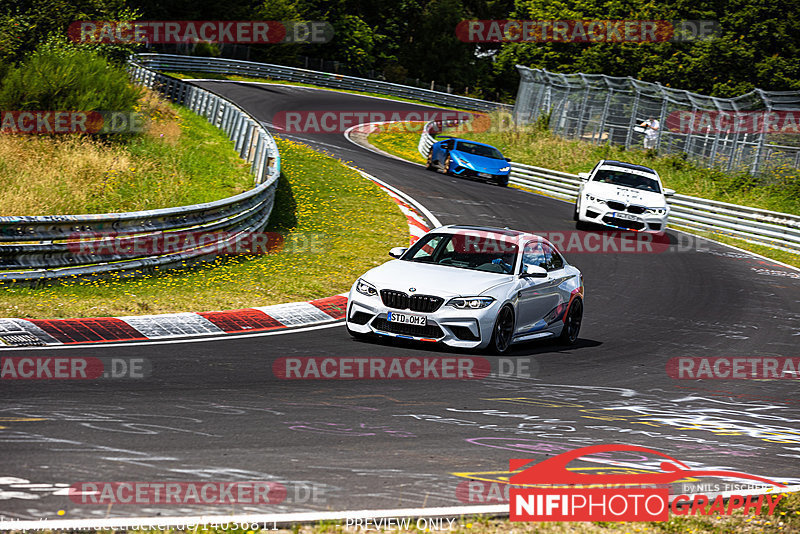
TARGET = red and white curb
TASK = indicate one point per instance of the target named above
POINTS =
(54, 332)
(44, 332)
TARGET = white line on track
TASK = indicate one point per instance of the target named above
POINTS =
(408, 198)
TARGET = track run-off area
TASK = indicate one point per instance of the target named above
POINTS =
(214, 409)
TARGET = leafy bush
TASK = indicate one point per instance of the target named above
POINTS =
(59, 76)
(206, 50)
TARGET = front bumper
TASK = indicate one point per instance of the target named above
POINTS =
(453, 327)
(501, 177)
(601, 213)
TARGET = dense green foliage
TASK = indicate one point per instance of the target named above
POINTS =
(759, 44)
(57, 76)
(26, 24)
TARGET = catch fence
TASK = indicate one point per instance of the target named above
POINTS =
(599, 109)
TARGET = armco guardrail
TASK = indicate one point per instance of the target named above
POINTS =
(774, 229)
(46, 247)
(170, 62)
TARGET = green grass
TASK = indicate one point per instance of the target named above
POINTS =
(352, 222)
(180, 160)
(399, 139)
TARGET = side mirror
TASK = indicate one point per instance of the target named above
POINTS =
(508, 159)
(583, 176)
(533, 271)
(669, 192)
(396, 252)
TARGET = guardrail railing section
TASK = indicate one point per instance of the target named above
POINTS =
(38, 248)
(774, 229)
(171, 62)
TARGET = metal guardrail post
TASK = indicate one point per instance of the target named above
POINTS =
(662, 120)
(603, 118)
(257, 159)
(632, 123)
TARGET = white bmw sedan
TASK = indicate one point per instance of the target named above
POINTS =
(470, 287)
(623, 195)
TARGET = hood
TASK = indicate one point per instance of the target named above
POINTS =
(437, 280)
(628, 195)
(481, 163)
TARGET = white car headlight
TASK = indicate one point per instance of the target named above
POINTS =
(504, 169)
(365, 288)
(461, 162)
(595, 199)
(470, 303)
(656, 211)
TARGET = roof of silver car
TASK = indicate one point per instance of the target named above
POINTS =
(630, 166)
(501, 231)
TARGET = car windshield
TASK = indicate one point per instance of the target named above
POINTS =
(478, 251)
(626, 179)
(478, 150)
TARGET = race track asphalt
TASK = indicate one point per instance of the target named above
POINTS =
(214, 410)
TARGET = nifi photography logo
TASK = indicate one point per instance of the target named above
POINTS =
(549, 491)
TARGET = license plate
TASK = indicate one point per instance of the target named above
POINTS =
(407, 318)
(626, 216)
(484, 175)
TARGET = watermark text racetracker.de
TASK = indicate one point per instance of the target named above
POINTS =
(586, 31)
(716, 122)
(110, 245)
(195, 31)
(206, 492)
(71, 122)
(338, 122)
(602, 241)
(734, 368)
(72, 367)
(403, 368)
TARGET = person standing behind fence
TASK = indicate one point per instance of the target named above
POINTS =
(651, 132)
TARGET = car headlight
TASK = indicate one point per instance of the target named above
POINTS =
(595, 199)
(461, 162)
(365, 288)
(656, 211)
(504, 169)
(470, 303)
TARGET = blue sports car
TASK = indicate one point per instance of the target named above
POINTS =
(461, 157)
